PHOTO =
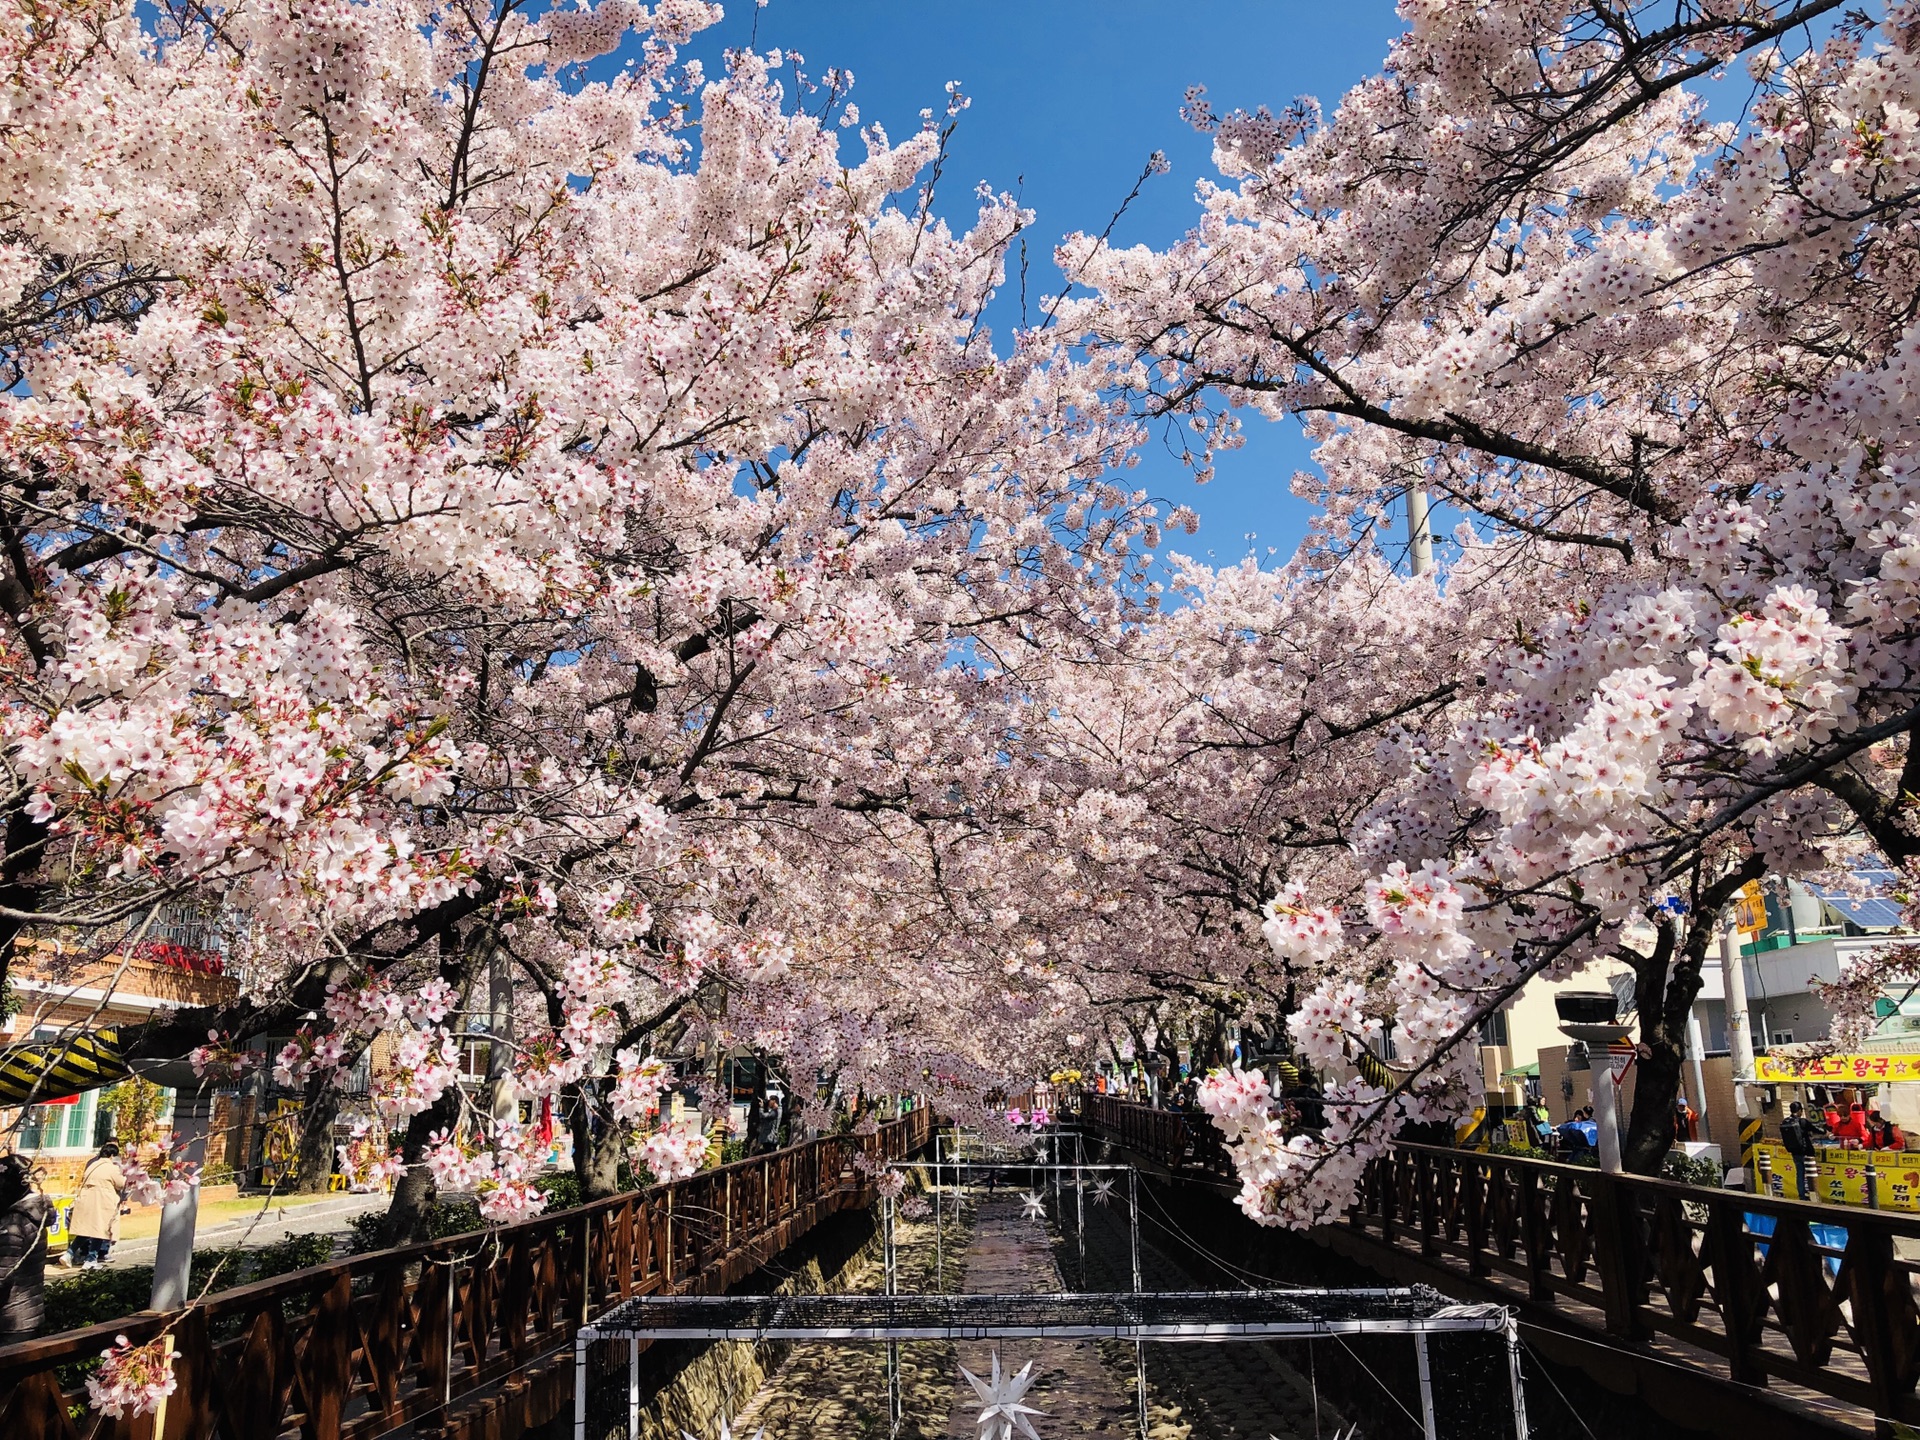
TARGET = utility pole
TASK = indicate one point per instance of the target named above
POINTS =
(173, 1251)
(1739, 1032)
(1419, 531)
(503, 1101)
(1695, 1074)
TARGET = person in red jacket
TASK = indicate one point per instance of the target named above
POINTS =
(1883, 1134)
(1852, 1129)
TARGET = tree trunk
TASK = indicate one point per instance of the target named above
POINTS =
(410, 1216)
(1665, 985)
(322, 1107)
(503, 1101)
(596, 1147)
(1662, 983)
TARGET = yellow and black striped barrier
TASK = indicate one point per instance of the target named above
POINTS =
(1372, 1069)
(1749, 1142)
(35, 1073)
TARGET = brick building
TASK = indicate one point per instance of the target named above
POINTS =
(57, 995)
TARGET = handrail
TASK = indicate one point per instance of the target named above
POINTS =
(1763, 1290)
(1164, 1136)
(398, 1337)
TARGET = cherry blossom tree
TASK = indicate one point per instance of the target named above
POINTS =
(465, 509)
(1656, 368)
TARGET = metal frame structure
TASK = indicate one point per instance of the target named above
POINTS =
(1163, 1317)
(1056, 1169)
(1169, 1316)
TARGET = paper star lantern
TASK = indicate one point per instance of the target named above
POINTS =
(726, 1433)
(1002, 1409)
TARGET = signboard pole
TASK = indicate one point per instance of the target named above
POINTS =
(1605, 1092)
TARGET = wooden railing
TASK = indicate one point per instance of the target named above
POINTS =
(1171, 1138)
(454, 1337)
(1770, 1290)
(1760, 1291)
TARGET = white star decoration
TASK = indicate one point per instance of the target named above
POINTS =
(1102, 1191)
(1036, 1204)
(1001, 1410)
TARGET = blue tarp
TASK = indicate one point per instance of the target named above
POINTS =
(1834, 1237)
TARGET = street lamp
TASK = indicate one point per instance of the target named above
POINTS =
(1591, 1020)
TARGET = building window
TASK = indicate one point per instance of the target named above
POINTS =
(1783, 1037)
(58, 1127)
(1493, 1029)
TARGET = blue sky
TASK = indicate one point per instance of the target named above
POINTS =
(1073, 95)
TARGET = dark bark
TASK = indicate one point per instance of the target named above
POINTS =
(410, 1216)
(596, 1146)
(1662, 981)
(322, 1108)
(1666, 982)
(174, 1034)
(761, 1133)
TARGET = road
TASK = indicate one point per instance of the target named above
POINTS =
(269, 1221)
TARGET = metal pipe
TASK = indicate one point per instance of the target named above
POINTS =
(1516, 1379)
(580, 1386)
(893, 1281)
(633, 1389)
(1603, 1092)
(1139, 1347)
(1080, 1216)
(1133, 1194)
(1140, 1382)
(1427, 1425)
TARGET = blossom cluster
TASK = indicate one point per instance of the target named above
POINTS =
(132, 1380)
(675, 1150)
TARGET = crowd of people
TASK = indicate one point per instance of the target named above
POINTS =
(1859, 1127)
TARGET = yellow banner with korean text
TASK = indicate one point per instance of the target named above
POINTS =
(1835, 1069)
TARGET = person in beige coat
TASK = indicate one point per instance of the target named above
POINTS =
(95, 1223)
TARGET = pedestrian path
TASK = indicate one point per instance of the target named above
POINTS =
(1011, 1254)
(267, 1222)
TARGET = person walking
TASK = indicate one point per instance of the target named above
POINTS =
(1796, 1136)
(1686, 1121)
(96, 1213)
(25, 1218)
